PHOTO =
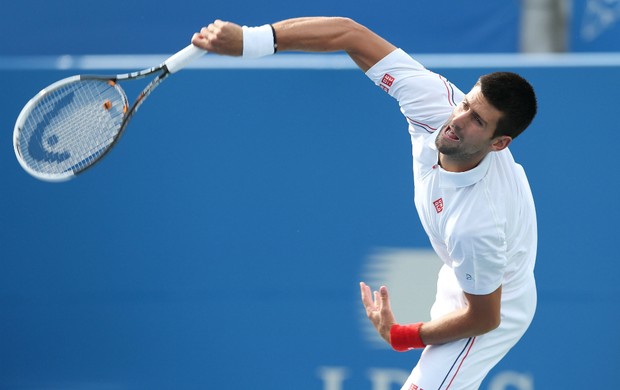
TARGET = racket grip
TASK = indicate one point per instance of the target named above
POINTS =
(182, 58)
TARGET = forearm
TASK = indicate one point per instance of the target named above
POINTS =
(320, 34)
(482, 314)
(460, 324)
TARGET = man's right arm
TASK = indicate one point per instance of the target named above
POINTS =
(309, 34)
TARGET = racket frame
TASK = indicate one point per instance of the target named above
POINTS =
(173, 64)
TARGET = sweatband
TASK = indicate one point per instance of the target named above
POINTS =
(259, 41)
(406, 337)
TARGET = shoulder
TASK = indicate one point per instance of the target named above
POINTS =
(399, 68)
(426, 98)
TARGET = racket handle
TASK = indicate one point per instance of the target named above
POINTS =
(179, 60)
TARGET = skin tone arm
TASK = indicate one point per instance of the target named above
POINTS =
(314, 34)
(481, 315)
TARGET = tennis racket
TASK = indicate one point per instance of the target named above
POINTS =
(73, 123)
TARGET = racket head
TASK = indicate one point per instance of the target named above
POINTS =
(69, 126)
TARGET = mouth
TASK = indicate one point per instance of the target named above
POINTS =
(450, 134)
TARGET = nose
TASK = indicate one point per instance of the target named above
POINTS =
(459, 119)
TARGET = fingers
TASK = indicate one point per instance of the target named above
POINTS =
(378, 310)
(197, 39)
(377, 300)
(366, 297)
(385, 298)
(205, 37)
(220, 37)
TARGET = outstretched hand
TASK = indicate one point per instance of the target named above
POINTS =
(220, 37)
(378, 310)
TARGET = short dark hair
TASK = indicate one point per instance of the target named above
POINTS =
(514, 97)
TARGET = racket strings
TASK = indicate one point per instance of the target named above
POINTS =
(71, 126)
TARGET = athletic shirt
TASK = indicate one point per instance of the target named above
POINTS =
(482, 222)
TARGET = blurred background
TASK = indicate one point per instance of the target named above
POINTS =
(221, 243)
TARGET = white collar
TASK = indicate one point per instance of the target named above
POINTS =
(461, 179)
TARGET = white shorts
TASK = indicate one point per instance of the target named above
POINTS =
(463, 364)
(460, 365)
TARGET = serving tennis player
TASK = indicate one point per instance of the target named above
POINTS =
(473, 199)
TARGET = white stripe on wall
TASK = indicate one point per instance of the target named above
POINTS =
(308, 61)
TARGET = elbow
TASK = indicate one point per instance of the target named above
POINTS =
(489, 324)
(347, 22)
(483, 322)
(350, 26)
(494, 324)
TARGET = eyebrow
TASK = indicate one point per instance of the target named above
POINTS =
(466, 101)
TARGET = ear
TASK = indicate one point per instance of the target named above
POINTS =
(500, 143)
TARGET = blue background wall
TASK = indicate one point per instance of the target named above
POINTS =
(220, 245)
(90, 26)
(594, 26)
(140, 26)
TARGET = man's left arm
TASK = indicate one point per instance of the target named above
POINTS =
(482, 314)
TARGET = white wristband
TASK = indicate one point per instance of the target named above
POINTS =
(258, 41)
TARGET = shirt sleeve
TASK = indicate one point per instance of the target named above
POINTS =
(478, 249)
(426, 99)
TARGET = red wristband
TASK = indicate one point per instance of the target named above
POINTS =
(406, 337)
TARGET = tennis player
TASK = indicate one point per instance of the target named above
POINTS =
(473, 200)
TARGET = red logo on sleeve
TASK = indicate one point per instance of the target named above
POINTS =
(438, 205)
(387, 80)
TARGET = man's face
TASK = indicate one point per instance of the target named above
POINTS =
(467, 136)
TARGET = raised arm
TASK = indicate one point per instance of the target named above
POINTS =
(309, 34)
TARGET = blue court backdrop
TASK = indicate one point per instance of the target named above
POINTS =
(594, 26)
(36, 27)
(141, 26)
(221, 244)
